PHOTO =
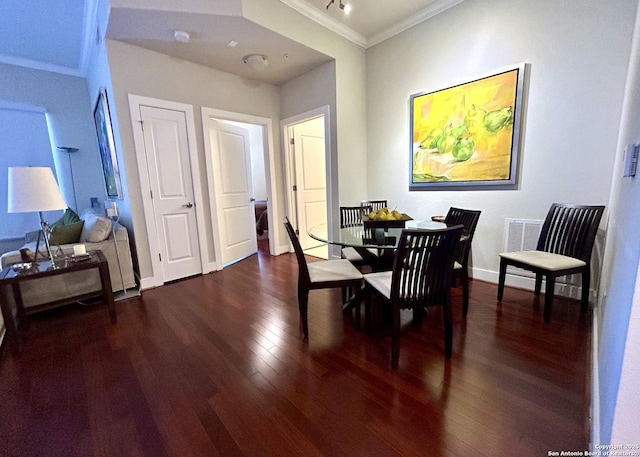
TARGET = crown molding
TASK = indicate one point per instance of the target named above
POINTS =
(36, 65)
(338, 27)
(433, 10)
(88, 34)
(326, 21)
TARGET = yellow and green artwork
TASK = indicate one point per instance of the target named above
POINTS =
(467, 134)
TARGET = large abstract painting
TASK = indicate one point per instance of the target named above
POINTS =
(467, 134)
(106, 144)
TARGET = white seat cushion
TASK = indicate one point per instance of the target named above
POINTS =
(546, 260)
(381, 281)
(352, 255)
(333, 270)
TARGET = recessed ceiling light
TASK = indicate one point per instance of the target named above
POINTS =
(232, 44)
(181, 36)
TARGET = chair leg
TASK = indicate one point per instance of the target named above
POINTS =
(367, 309)
(538, 284)
(395, 336)
(418, 315)
(448, 328)
(501, 278)
(357, 300)
(465, 292)
(548, 297)
(586, 283)
(303, 305)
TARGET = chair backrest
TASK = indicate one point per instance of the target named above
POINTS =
(423, 266)
(303, 270)
(374, 204)
(351, 216)
(570, 230)
(469, 219)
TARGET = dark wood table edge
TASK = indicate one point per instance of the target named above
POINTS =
(13, 337)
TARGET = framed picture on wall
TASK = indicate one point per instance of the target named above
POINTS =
(106, 146)
(467, 134)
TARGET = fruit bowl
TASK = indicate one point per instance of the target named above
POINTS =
(398, 223)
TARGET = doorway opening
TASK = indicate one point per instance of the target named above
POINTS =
(239, 154)
(307, 164)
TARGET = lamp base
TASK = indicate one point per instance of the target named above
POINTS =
(46, 233)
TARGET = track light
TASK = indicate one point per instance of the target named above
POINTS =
(346, 8)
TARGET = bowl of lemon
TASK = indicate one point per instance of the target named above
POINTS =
(385, 218)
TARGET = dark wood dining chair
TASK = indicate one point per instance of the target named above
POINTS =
(351, 216)
(564, 248)
(469, 219)
(374, 205)
(324, 274)
(421, 277)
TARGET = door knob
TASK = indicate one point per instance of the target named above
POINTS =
(188, 205)
(252, 199)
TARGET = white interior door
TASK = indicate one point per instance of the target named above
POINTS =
(167, 150)
(231, 160)
(310, 179)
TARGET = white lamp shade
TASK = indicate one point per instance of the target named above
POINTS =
(33, 189)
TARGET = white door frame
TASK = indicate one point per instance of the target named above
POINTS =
(286, 150)
(270, 178)
(135, 101)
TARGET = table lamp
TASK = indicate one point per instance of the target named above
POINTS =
(34, 189)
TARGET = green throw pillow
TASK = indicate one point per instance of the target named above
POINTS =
(66, 234)
(69, 217)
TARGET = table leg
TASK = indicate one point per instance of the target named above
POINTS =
(11, 323)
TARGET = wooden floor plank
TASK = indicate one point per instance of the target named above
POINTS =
(216, 365)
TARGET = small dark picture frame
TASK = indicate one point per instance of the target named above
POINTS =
(106, 146)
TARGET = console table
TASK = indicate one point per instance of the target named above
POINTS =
(13, 310)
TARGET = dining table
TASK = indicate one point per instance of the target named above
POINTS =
(375, 245)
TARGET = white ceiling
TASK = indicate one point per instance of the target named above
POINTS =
(44, 34)
(54, 34)
(370, 17)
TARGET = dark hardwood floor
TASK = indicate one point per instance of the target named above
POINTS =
(216, 366)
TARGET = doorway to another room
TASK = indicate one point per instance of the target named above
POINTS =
(239, 155)
(306, 165)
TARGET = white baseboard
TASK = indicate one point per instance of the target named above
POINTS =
(595, 383)
(523, 282)
(282, 249)
(148, 283)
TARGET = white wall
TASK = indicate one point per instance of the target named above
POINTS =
(338, 84)
(149, 74)
(258, 177)
(256, 146)
(571, 115)
(24, 142)
(618, 354)
(98, 76)
(69, 113)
